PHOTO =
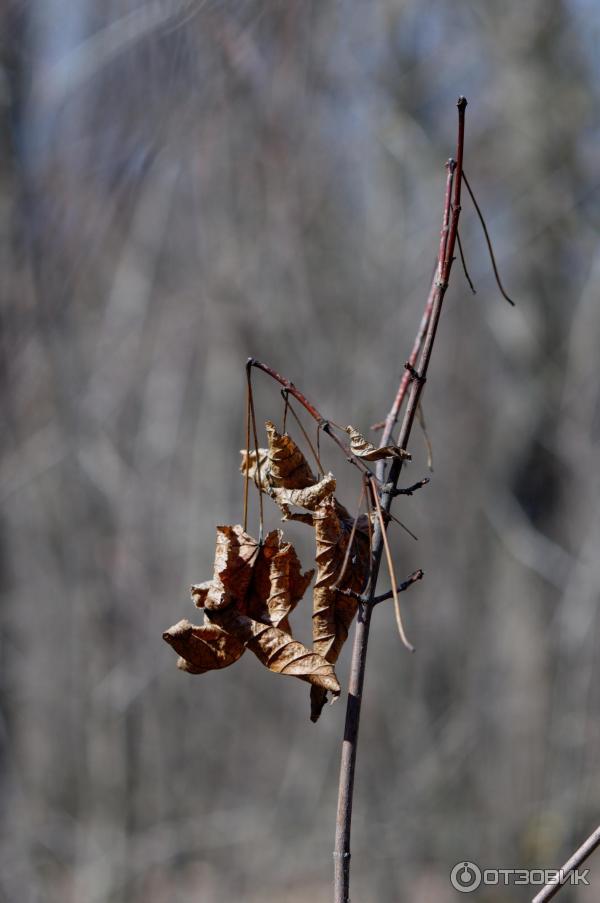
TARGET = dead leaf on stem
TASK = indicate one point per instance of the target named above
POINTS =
(279, 651)
(247, 605)
(235, 553)
(282, 465)
(333, 609)
(287, 464)
(204, 648)
(249, 464)
(287, 478)
(308, 498)
(364, 449)
(277, 584)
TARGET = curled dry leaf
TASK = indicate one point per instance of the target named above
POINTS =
(288, 466)
(247, 605)
(287, 478)
(308, 498)
(279, 651)
(282, 465)
(333, 610)
(235, 553)
(249, 464)
(202, 649)
(364, 449)
(278, 583)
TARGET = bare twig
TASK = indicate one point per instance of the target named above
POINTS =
(427, 440)
(351, 537)
(322, 422)
(431, 318)
(247, 471)
(252, 419)
(390, 564)
(400, 524)
(315, 453)
(401, 588)
(464, 262)
(392, 418)
(578, 858)
(406, 584)
(489, 242)
(410, 489)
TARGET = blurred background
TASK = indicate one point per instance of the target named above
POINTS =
(184, 184)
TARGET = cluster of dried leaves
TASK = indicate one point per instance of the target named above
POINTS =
(255, 587)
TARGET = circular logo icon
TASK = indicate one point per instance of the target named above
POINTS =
(465, 877)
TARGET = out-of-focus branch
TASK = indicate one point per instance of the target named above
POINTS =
(578, 858)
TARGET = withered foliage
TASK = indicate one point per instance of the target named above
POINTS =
(282, 465)
(333, 607)
(247, 605)
(255, 586)
(307, 498)
(364, 449)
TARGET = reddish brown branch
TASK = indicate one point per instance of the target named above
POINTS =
(578, 858)
(392, 418)
(308, 406)
(488, 242)
(289, 386)
(450, 220)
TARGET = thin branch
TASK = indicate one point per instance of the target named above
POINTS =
(402, 587)
(464, 263)
(315, 454)
(427, 440)
(286, 407)
(404, 527)
(390, 564)
(406, 584)
(291, 388)
(351, 539)
(247, 471)
(323, 422)
(578, 858)
(361, 636)
(410, 489)
(256, 449)
(489, 242)
(392, 418)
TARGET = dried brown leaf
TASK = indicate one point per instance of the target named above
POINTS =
(364, 449)
(308, 498)
(278, 651)
(235, 554)
(247, 604)
(288, 467)
(333, 610)
(249, 464)
(199, 593)
(203, 649)
(278, 583)
(282, 465)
